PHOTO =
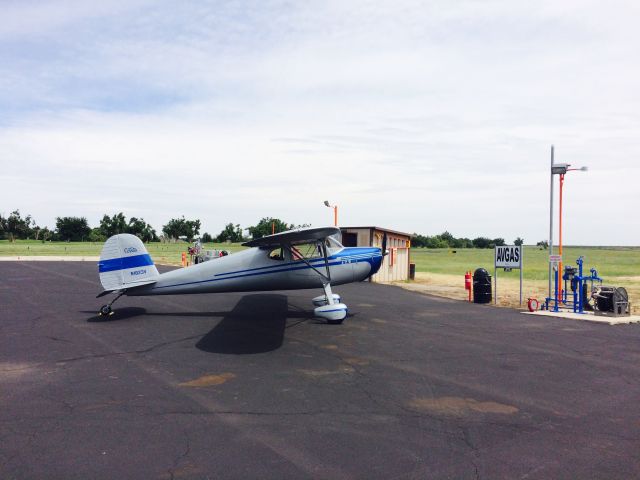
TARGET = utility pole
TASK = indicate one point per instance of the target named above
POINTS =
(551, 221)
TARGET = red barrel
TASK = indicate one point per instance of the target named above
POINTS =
(467, 281)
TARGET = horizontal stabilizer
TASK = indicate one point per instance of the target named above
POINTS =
(125, 263)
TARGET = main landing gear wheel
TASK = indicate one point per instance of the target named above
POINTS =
(333, 314)
(323, 300)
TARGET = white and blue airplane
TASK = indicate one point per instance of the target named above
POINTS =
(296, 259)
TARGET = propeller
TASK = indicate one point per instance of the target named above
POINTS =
(384, 245)
(383, 250)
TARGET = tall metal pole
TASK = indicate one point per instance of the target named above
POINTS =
(551, 219)
(560, 238)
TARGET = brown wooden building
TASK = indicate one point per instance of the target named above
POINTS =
(395, 266)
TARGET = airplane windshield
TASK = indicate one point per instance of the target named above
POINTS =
(308, 250)
(333, 242)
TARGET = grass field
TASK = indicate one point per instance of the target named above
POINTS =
(162, 253)
(439, 271)
(610, 261)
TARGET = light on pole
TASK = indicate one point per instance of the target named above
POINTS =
(558, 169)
(335, 212)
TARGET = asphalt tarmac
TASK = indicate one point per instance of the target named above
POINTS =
(251, 386)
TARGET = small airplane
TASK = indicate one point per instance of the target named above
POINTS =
(296, 259)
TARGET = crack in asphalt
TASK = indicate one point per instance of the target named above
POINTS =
(100, 355)
(180, 457)
(475, 452)
(56, 339)
(129, 352)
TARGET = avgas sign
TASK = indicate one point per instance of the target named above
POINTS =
(508, 256)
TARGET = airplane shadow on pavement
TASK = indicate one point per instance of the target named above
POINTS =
(255, 325)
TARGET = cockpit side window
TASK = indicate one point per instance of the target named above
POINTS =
(305, 251)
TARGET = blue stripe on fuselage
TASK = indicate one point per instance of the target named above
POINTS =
(124, 263)
(374, 258)
(364, 252)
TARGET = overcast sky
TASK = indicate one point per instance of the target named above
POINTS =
(416, 116)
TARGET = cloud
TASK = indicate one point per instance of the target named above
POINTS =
(419, 116)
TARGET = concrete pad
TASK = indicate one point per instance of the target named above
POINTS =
(587, 316)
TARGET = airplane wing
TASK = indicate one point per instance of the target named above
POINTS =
(301, 235)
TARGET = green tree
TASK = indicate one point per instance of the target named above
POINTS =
(207, 238)
(418, 241)
(3, 227)
(72, 229)
(96, 235)
(116, 224)
(14, 226)
(497, 242)
(481, 242)
(267, 226)
(231, 233)
(36, 232)
(518, 241)
(180, 227)
(110, 226)
(444, 240)
(464, 243)
(45, 234)
(141, 229)
(448, 239)
(437, 242)
(543, 244)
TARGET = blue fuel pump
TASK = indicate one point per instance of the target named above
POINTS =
(575, 286)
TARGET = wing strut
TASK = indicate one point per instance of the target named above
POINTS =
(323, 247)
(327, 285)
(326, 279)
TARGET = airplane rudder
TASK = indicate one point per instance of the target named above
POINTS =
(125, 262)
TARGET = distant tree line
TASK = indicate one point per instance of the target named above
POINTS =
(73, 229)
(266, 226)
(14, 226)
(77, 229)
(446, 240)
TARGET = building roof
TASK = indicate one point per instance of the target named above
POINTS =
(379, 229)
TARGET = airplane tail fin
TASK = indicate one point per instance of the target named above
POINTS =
(125, 263)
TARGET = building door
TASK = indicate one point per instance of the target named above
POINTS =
(349, 239)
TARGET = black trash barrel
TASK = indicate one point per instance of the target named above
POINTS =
(481, 286)
(412, 271)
